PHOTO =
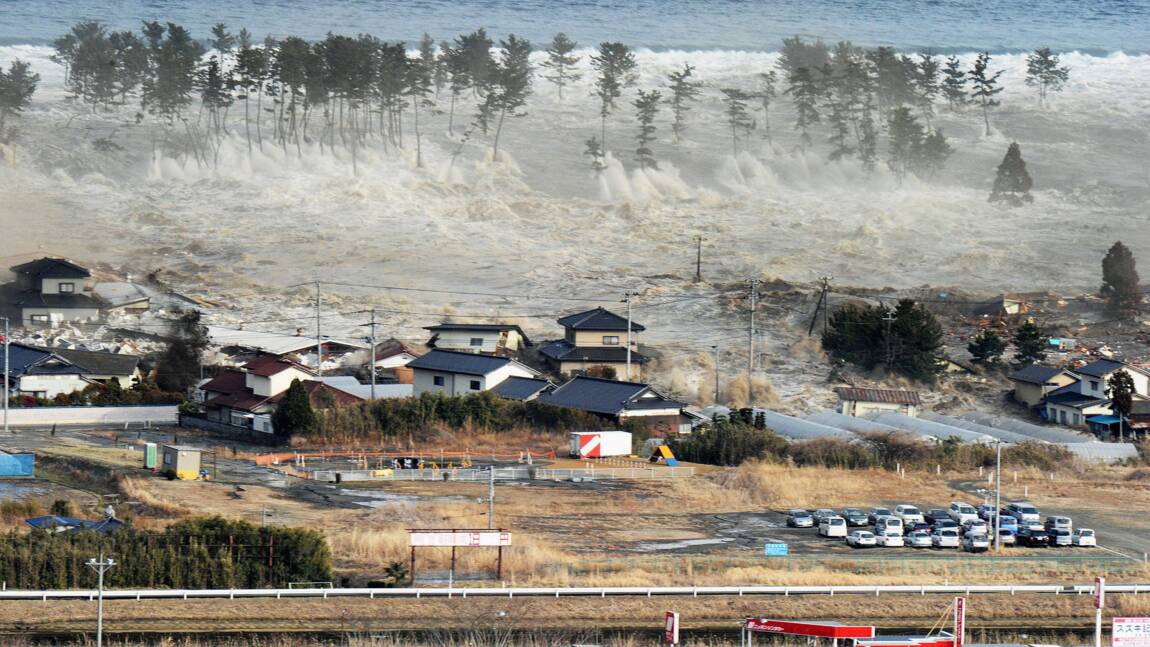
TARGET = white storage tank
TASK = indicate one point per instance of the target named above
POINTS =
(600, 444)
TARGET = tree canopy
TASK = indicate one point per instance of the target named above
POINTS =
(1120, 282)
(905, 340)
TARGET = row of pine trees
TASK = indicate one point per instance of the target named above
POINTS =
(352, 92)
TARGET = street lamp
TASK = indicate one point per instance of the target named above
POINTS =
(101, 566)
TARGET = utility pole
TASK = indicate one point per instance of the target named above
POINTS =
(751, 340)
(826, 301)
(371, 365)
(997, 496)
(318, 338)
(820, 305)
(889, 319)
(698, 259)
(491, 500)
(627, 298)
(7, 371)
(715, 350)
(102, 566)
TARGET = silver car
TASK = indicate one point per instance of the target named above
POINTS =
(1061, 537)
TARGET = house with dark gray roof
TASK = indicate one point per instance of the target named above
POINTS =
(458, 373)
(595, 339)
(523, 389)
(50, 291)
(48, 372)
(621, 402)
(1034, 382)
(492, 339)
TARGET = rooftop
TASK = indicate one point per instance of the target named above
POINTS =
(886, 396)
(610, 397)
(598, 319)
(1035, 374)
(1104, 367)
(448, 361)
(268, 366)
(565, 351)
(61, 268)
(520, 388)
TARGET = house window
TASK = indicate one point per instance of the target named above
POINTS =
(1093, 385)
(67, 288)
(611, 340)
(1062, 417)
(1076, 419)
(438, 380)
(476, 342)
(39, 318)
(474, 385)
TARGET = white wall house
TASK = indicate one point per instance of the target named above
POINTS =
(49, 291)
(458, 373)
(492, 339)
(863, 403)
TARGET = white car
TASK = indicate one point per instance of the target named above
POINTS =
(1006, 537)
(919, 539)
(1085, 537)
(1027, 515)
(890, 539)
(887, 523)
(945, 538)
(975, 542)
(908, 513)
(962, 512)
(861, 539)
(834, 526)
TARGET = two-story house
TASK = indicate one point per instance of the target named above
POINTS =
(622, 402)
(455, 373)
(48, 372)
(489, 339)
(49, 291)
(1034, 382)
(1087, 396)
(247, 396)
(595, 339)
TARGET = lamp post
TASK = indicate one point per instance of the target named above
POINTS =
(7, 370)
(101, 566)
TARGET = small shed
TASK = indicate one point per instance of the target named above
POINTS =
(862, 403)
(185, 461)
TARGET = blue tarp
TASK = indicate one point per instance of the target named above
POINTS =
(17, 464)
(1103, 420)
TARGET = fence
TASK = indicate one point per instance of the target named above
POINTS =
(143, 415)
(230, 431)
(504, 474)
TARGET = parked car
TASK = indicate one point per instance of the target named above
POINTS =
(975, 542)
(1007, 522)
(1058, 523)
(855, 517)
(1024, 511)
(834, 526)
(944, 523)
(912, 527)
(890, 539)
(1033, 538)
(962, 512)
(907, 513)
(800, 519)
(986, 511)
(875, 513)
(1085, 537)
(861, 539)
(935, 514)
(823, 513)
(888, 522)
(976, 525)
(1006, 537)
(919, 539)
(1061, 537)
(945, 538)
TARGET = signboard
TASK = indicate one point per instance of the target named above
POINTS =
(1130, 632)
(959, 621)
(816, 629)
(671, 628)
(1100, 593)
(449, 538)
(775, 550)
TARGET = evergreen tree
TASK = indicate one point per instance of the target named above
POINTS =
(595, 151)
(1030, 343)
(868, 136)
(1120, 389)
(1120, 282)
(766, 94)
(615, 65)
(906, 340)
(213, 87)
(89, 57)
(476, 60)
(738, 119)
(931, 154)
(906, 136)
(560, 63)
(796, 54)
(894, 78)
(460, 80)
(17, 86)
(294, 415)
(805, 93)
(131, 56)
(984, 86)
(1045, 72)
(174, 56)
(420, 79)
(987, 347)
(682, 91)
(252, 69)
(927, 83)
(511, 83)
(954, 83)
(1012, 184)
(181, 364)
(646, 108)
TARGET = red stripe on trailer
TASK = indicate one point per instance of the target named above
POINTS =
(590, 446)
(816, 629)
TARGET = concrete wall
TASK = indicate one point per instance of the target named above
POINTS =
(860, 409)
(51, 385)
(48, 416)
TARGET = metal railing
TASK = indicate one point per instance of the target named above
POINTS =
(549, 592)
(504, 474)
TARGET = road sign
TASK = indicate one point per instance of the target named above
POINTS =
(1130, 632)
(671, 628)
(461, 538)
(1100, 593)
(775, 550)
(959, 621)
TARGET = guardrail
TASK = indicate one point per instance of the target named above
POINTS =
(504, 474)
(636, 591)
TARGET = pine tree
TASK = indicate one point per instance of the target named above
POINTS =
(984, 86)
(840, 138)
(805, 93)
(420, 78)
(615, 65)
(738, 119)
(294, 415)
(131, 62)
(766, 95)
(512, 83)
(1120, 389)
(174, 56)
(560, 63)
(1120, 282)
(796, 53)
(1012, 184)
(868, 136)
(927, 83)
(906, 136)
(1030, 342)
(931, 154)
(1043, 71)
(954, 84)
(682, 91)
(180, 365)
(987, 348)
(646, 108)
(595, 151)
(17, 86)
(475, 57)
(906, 340)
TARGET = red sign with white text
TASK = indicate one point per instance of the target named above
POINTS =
(817, 629)
(671, 629)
